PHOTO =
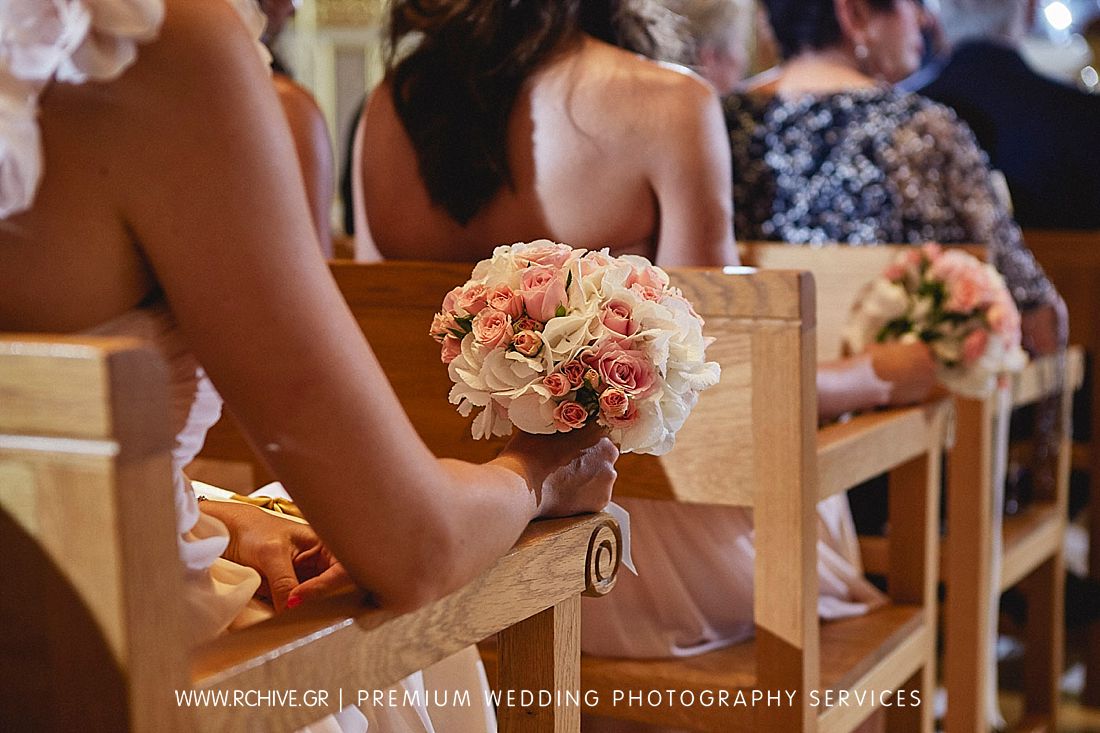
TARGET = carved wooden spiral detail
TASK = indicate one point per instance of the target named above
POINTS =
(605, 548)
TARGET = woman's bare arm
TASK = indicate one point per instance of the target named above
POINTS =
(890, 374)
(691, 178)
(209, 187)
(314, 151)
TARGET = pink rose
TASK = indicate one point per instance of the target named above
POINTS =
(614, 403)
(894, 272)
(527, 324)
(592, 379)
(472, 299)
(974, 345)
(528, 343)
(931, 251)
(968, 282)
(438, 330)
(649, 277)
(627, 369)
(647, 292)
(452, 347)
(625, 420)
(543, 291)
(574, 371)
(594, 261)
(491, 329)
(965, 295)
(558, 384)
(544, 252)
(443, 325)
(952, 266)
(451, 299)
(504, 300)
(616, 316)
(1004, 319)
(569, 415)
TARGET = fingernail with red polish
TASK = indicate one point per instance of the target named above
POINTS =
(293, 602)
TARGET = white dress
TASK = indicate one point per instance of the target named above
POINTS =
(78, 40)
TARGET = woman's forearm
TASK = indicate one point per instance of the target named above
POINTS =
(849, 385)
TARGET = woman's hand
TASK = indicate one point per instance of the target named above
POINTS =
(570, 473)
(288, 555)
(884, 375)
(908, 368)
(1045, 328)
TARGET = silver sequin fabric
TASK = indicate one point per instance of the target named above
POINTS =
(870, 166)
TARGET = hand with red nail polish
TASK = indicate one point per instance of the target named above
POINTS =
(288, 555)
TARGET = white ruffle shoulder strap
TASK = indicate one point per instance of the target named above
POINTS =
(70, 41)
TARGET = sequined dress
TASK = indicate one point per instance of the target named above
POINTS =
(870, 166)
(867, 166)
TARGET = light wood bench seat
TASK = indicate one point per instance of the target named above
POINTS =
(873, 652)
(870, 444)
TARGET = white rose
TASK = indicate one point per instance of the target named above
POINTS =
(493, 420)
(532, 413)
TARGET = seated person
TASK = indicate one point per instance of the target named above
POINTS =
(567, 135)
(307, 124)
(1042, 134)
(184, 199)
(825, 150)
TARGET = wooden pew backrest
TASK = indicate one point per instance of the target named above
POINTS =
(84, 429)
(840, 272)
(394, 303)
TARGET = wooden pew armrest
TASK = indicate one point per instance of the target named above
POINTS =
(339, 642)
(1043, 376)
(872, 443)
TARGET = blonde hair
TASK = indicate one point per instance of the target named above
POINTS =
(707, 23)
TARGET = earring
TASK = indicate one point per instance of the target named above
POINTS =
(861, 52)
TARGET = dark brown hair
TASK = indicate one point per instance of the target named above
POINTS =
(809, 25)
(455, 90)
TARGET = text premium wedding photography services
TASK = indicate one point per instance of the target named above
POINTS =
(546, 366)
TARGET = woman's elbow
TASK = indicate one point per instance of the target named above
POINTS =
(421, 573)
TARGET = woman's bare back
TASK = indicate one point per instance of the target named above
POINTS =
(70, 263)
(597, 138)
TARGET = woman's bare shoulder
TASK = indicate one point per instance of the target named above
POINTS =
(623, 72)
(625, 92)
(301, 108)
(202, 74)
(202, 45)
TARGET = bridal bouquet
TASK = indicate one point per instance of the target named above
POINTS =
(953, 302)
(548, 339)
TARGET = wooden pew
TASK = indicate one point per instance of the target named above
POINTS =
(754, 442)
(1032, 541)
(1072, 261)
(95, 631)
(755, 432)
